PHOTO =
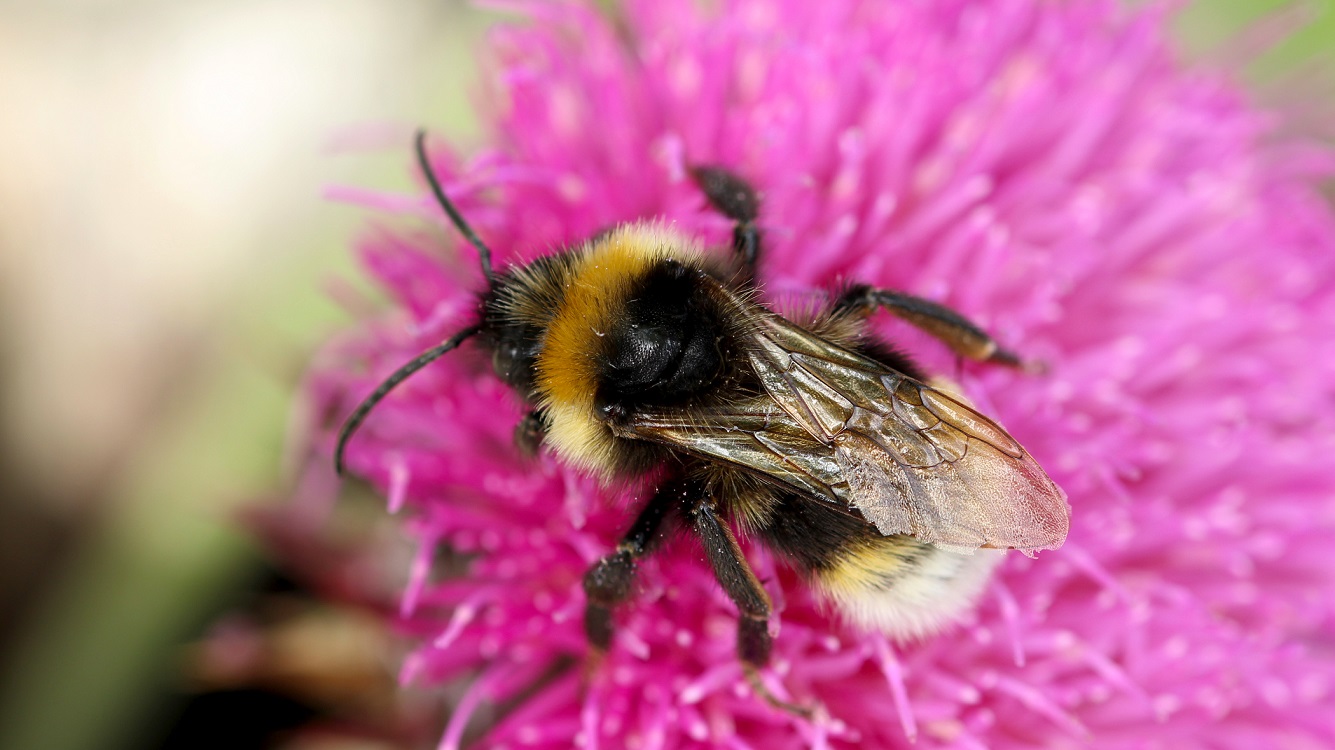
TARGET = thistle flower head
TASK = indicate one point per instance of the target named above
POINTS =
(1048, 169)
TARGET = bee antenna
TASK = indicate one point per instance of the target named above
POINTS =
(483, 252)
(422, 360)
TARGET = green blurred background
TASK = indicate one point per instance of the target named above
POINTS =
(164, 261)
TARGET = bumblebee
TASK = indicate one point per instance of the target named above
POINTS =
(640, 354)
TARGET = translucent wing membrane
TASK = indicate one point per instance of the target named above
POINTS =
(909, 458)
(754, 434)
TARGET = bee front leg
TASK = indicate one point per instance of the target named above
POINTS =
(734, 197)
(530, 432)
(962, 335)
(742, 586)
(608, 582)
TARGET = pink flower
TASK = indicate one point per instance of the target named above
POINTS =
(1048, 169)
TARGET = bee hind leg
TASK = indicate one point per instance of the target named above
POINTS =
(742, 586)
(734, 197)
(963, 336)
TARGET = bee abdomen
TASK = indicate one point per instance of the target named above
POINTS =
(895, 584)
(904, 587)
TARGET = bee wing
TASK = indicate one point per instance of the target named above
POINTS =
(909, 458)
(754, 434)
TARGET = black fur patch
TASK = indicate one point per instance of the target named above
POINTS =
(668, 348)
(814, 534)
(891, 357)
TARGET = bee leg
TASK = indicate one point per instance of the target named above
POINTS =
(733, 197)
(608, 582)
(530, 432)
(742, 586)
(963, 336)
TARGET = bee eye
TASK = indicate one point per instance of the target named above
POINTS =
(502, 360)
(611, 411)
(511, 363)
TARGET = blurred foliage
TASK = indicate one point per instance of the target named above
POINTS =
(1288, 35)
(97, 663)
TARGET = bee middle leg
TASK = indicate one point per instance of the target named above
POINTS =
(734, 197)
(742, 586)
(962, 335)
